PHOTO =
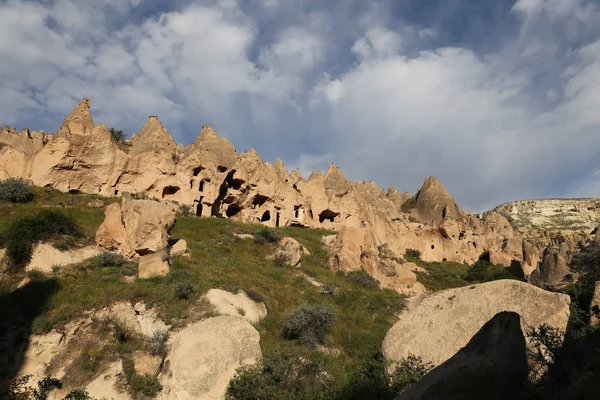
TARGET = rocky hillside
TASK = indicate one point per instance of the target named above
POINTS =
(552, 214)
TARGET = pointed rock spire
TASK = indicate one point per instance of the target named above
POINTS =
(396, 197)
(434, 204)
(79, 121)
(335, 179)
(153, 134)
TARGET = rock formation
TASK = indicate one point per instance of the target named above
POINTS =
(451, 317)
(204, 357)
(493, 365)
(595, 306)
(226, 303)
(212, 179)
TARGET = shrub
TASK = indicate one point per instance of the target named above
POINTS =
(287, 373)
(362, 278)
(117, 136)
(412, 253)
(121, 333)
(484, 271)
(24, 232)
(309, 323)
(16, 190)
(408, 205)
(108, 259)
(146, 384)
(545, 344)
(266, 235)
(78, 394)
(409, 370)
(158, 343)
(19, 390)
(185, 210)
(254, 296)
(282, 258)
(183, 290)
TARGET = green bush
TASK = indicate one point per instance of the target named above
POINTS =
(287, 373)
(19, 390)
(183, 290)
(185, 210)
(309, 324)
(117, 136)
(409, 370)
(108, 259)
(158, 343)
(146, 384)
(24, 232)
(78, 394)
(408, 205)
(281, 258)
(266, 235)
(254, 295)
(413, 253)
(16, 190)
(362, 278)
(484, 271)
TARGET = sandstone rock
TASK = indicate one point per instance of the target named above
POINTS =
(227, 303)
(41, 350)
(46, 256)
(493, 365)
(109, 384)
(434, 204)
(243, 236)
(137, 227)
(154, 264)
(205, 355)
(328, 240)
(145, 363)
(180, 247)
(451, 317)
(289, 251)
(595, 306)
(138, 320)
(554, 268)
(79, 121)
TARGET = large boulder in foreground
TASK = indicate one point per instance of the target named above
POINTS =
(492, 366)
(205, 355)
(435, 326)
(136, 227)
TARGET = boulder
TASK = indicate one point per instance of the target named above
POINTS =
(492, 366)
(136, 318)
(205, 356)
(289, 251)
(180, 247)
(243, 236)
(451, 317)
(146, 363)
(137, 227)
(595, 306)
(227, 303)
(154, 264)
(554, 268)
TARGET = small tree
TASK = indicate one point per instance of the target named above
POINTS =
(117, 136)
(412, 253)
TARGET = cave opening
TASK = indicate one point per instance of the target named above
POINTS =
(199, 209)
(259, 200)
(169, 191)
(196, 171)
(266, 216)
(232, 211)
(328, 215)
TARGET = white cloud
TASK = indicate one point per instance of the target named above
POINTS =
(295, 51)
(378, 42)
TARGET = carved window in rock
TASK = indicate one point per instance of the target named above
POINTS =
(259, 200)
(196, 171)
(201, 186)
(199, 209)
(232, 211)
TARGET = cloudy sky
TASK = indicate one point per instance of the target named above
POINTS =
(499, 99)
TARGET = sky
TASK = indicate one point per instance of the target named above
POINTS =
(498, 99)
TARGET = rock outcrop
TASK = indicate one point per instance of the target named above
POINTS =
(204, 357)
(595, 306)
(492, 366)
(227, 303)
(45, 257)
(211, 178)
(451, 317)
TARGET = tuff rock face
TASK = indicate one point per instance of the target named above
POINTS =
(211, 178)
(451, 317)
(493, 365)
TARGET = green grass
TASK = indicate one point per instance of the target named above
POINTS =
(217, 259)
(441, 275)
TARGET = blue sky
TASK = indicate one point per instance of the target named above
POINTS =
(499, 99)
